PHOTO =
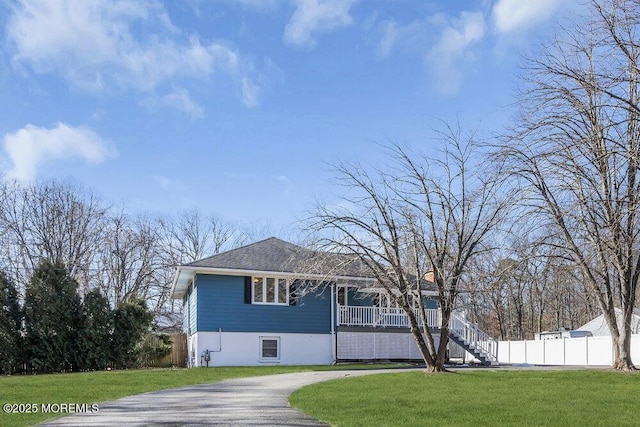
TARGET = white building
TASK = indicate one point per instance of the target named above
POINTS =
(599, 327)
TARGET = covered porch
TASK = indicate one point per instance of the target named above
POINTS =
(383, 317)
(370, 330)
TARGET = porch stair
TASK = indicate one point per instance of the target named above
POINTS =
(476, 342)
(465, 334)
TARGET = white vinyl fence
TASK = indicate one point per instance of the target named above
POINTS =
(583, 351)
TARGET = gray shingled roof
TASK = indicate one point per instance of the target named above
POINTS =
(276, 255)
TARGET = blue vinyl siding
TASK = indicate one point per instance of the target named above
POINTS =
(367, 300)
(220, 304)
(430, 303)
(359, 298)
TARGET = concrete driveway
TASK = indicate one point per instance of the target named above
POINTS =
(246, 401)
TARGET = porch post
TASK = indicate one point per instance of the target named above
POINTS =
(334, 301)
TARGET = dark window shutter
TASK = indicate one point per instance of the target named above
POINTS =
(247, 289)
(292, 293)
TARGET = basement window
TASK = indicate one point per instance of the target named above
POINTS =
(269, 348)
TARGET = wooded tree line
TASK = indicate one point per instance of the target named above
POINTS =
(124, 256)
(54, 330)
(514, 294)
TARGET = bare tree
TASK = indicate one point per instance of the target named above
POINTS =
(455, 206)
(577, 152)
(187, 237)
(129, 260)
(191, 236)
(249, 233)
(486, 295)
(55, 221)
(527, 287)
(421, 215)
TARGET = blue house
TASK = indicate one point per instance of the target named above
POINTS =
(273, 302)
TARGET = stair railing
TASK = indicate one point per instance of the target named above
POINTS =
(474, 337)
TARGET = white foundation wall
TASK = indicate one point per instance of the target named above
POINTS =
(243, 349)
(378, 345)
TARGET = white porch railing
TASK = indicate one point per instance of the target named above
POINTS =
(396, 317)
(351, 315)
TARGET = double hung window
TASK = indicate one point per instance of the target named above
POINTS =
(270, 290)
(342, 295)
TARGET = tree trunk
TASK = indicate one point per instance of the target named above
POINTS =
(441, 357)
(622, 351)
(419, 338)
(441, 354)
(434, 359)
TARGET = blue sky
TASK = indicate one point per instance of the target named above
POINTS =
(238, 106)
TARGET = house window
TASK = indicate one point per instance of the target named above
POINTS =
(270, 290)
(269, 348)
(384, 300)
(258, 286)
(387, 302)
(282, 290)
(342, 295)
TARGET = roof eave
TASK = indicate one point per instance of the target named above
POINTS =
(378, 289)
(181, 281)
(186, 273)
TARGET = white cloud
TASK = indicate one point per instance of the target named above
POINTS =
(179, 99)
(316, 16)
(389, 37)
(451, 53)
(32, 146)
(97, 45)
(257, 5)
(250, 92)
(411, 37)
(260, 82)
(510, 15)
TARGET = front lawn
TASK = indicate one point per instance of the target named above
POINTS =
(476, 398)
(98, 387)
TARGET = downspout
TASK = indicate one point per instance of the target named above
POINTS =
(333, 324)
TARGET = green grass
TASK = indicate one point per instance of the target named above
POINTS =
(477, 398)
(472, 397)
(98, 387)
